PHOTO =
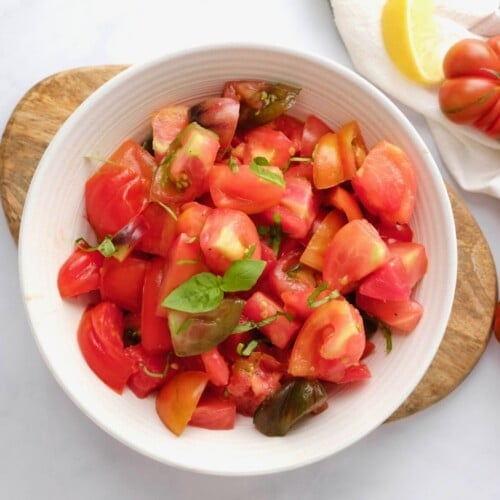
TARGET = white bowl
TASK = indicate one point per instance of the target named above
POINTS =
(54, 216)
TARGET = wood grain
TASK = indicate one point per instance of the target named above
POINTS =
(46, 106)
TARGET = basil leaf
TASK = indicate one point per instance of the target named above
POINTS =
(313, 303)
(242, 275)
(200, 293)
(259, 167)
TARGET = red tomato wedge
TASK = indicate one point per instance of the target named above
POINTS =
(403, 315)
(80, 273)
(314, 128)
(242, 189)
(100, 341)
(155, 335)
(214, 412)
(177, 399)
(122, 282)
(331, 339)
(386, 185)
(355, 251)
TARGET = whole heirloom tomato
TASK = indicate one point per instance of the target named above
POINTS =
(471, 91)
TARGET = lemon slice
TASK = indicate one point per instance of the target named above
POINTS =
(411, 37)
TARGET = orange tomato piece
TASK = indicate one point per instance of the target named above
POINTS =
(178, 398)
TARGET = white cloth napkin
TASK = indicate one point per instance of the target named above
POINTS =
(472, 158)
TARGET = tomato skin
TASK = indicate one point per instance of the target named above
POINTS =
(214, 412)
(243, 189)
(100, 340)
(80, 273)
(330, 340)
(385, 184)
(355, 251)
(413, 257)
(466, 99)
(471, 57)
(177, 399)
(122, 282)
(155, 335)
(228, 235)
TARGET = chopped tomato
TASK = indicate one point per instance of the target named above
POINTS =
(161, 230)
(243, 189)
(117, 192)
(352, 148)
(178, 398)
(155, 335)
(327, 163)
(214, 412)
(167, 124)
(403, 315)
(388, 282)
(282, 330)
(100, 341)
(228, 235)
(413, 257)
(122, 282)
(252, 379)
(342, 199)
(291, 127)
(153, 370)
(271, 144)
(191, 218)
(220, 115)
(355, 251)
(297, 208)
(80, 273)
(216, 367)
(314, 253)
(183, 174)
(314, 129)
(331, 339)
(385, 183)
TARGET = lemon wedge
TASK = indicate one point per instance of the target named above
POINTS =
(411, 37)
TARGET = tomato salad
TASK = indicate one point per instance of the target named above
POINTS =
(243, 260)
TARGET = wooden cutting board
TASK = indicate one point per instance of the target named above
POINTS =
(46, 106)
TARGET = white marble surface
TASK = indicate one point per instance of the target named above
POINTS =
(52, 451)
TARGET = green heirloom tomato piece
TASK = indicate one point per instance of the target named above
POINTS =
(283, 408)
(260, 101)
(197, 333)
